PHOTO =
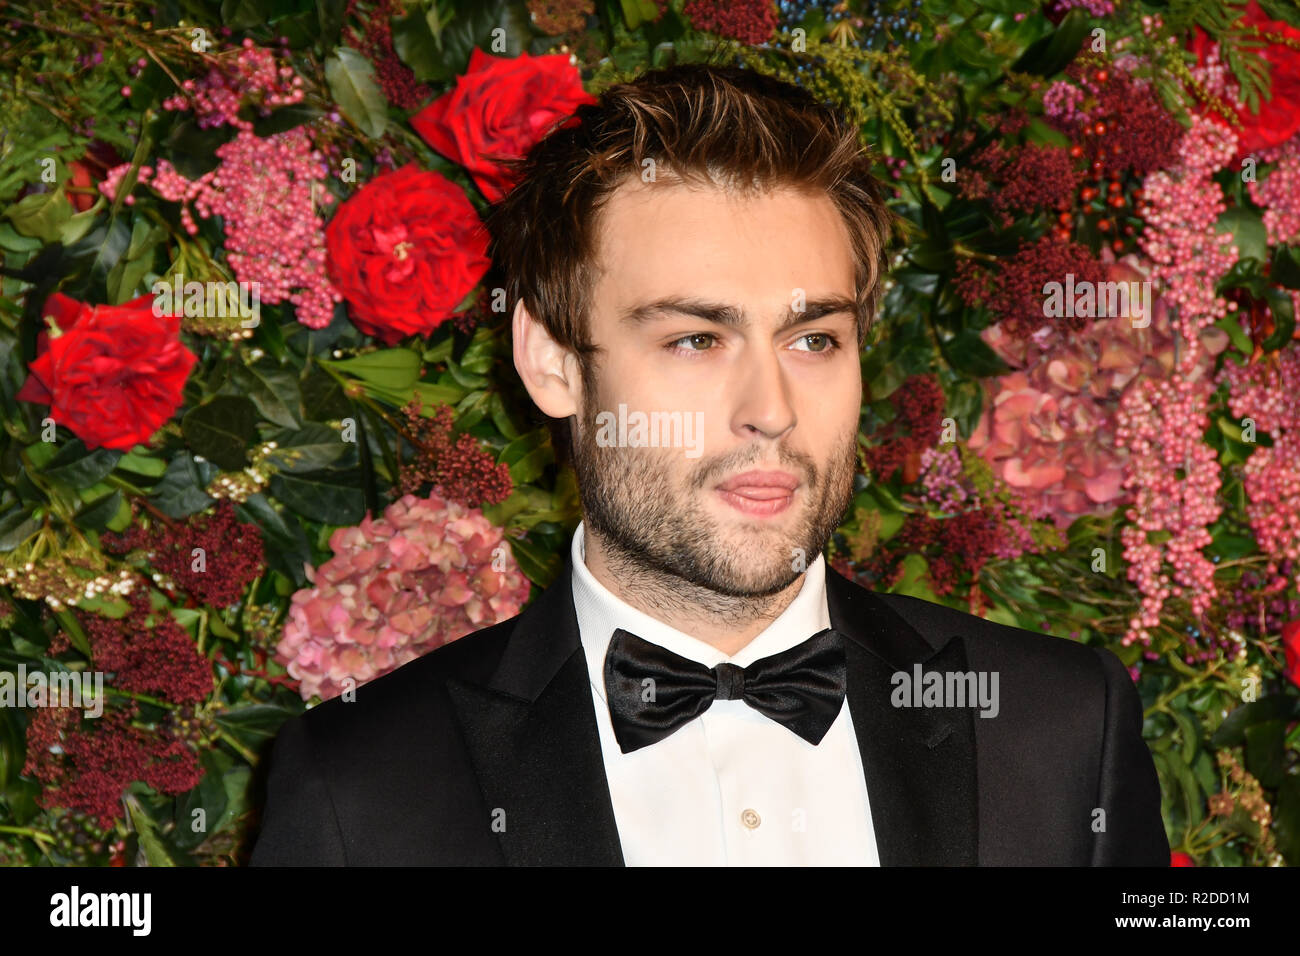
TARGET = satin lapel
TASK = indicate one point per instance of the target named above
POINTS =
(531, 733)
(919, 762)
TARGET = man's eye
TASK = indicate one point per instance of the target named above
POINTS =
(695, 339)
(820, 341)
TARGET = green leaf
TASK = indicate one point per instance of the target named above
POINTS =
(141, 464)
(210, 797)
(1232, 732)
(1285, 269)
(16, 527)
(473, 26)
(1248, 232)
(320, 497)
(521, 447)
(180, 493)
(101, 511)
(323, 398)
(125, 277)
(1283, 310)
(11, 241)
(1265, 751)
(221, 430)
(40, 215)
(501, 418)
(272, 389)
(968, 354)
(79, 223)
(440, 352)
(393, 369)
(193, 148)
(418, 48)
(467, 379)
(155, 850)
(287, 545)
(432, 395)
(1054, 52)
(115, 608)
(1190, 732)
(1236, 334)
(351, 80)
(285, 119)
(255, 724)
(539, 564)
(77, 467)
(103, 247)
(915, 580)
(312, 448)
(531, 466)
(521, 499)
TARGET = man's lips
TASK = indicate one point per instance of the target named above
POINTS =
(761, 485)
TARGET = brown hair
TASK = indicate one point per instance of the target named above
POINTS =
(729, 126)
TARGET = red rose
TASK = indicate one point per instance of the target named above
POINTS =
(112, 373)
(1180, 859)
(1279, 116)
(499, 109)
(405, 251)
(1291, 648)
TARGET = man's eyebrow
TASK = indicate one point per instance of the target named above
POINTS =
(729, 315)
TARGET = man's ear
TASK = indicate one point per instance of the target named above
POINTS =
(549, 371)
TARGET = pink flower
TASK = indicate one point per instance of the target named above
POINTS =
(426, 573)
(1048, 426)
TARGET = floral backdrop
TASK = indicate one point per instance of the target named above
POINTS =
(263, 440)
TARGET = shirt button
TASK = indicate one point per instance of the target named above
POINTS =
(751, 819)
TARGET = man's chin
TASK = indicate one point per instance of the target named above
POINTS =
(758, 582)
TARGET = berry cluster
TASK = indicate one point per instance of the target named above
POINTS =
(375, 42)
(458, 469)
(213, 557)
(148, 653)
(919, 407)
(251, 77)
(87, 766)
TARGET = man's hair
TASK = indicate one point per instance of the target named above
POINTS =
(725, 126)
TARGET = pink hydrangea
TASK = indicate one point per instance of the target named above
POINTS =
(426, 573)
(1049, 426)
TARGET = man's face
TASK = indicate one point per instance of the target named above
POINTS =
(777, 391)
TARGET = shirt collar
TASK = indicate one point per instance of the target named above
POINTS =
(600, 612)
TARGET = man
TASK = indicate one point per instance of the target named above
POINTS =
(703, 251)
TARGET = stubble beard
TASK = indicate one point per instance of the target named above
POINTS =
(667, 549)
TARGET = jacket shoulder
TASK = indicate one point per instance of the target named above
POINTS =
(993, 642)
(387, 704)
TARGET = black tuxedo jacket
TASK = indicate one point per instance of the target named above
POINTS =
(485, 751)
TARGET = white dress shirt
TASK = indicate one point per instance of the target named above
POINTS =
(732, 787)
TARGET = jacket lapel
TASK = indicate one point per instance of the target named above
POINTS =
(532, 737)
(919, 762)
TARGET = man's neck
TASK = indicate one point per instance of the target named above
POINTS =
(724, 621)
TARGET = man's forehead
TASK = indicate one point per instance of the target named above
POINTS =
(646, 222)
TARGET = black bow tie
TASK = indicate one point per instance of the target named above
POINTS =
(652, 691)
